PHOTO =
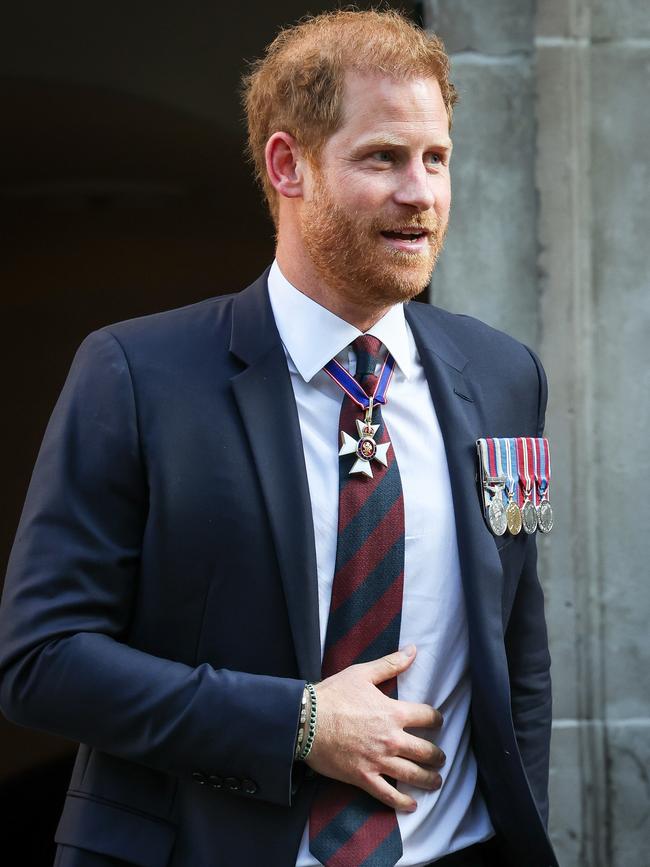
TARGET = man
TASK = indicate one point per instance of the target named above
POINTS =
(194, 551)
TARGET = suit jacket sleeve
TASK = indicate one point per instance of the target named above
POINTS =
(65, 664)
(529, 659)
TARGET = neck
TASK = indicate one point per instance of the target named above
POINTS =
(300, 273)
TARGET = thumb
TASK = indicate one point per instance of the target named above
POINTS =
(391, 665)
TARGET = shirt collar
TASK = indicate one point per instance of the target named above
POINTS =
(312, 335)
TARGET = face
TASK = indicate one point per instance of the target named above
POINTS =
(376, 206)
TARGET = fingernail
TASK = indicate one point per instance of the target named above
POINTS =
(409, 650)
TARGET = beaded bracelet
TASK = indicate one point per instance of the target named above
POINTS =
(304, 744)
(301, 725)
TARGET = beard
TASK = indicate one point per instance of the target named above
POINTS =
(347, 252)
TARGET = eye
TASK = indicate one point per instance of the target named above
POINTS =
(434, 158)
(383, 156)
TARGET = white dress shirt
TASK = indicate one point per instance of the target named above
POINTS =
(433, 609)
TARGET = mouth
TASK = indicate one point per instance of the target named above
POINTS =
(406, 234)
(413, 238)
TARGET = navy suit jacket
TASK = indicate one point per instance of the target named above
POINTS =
(161, 606)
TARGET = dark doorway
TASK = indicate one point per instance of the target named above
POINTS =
(123, 190)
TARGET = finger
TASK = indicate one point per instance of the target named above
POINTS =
(413, 774)
(420, 716)
(382, 790)
(420, 750)
(389, 666)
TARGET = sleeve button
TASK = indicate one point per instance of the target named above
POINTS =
(215, 781)
(249, 786)
(232, 783)
(199, 778)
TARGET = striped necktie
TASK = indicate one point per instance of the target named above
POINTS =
(347, 826)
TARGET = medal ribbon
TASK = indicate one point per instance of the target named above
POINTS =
(487, 470)
(500, 455)
(522, 464)
(492, 458)
(513, 480)
(532, 462)
(514, 463)
(352, 388)
(544, 465)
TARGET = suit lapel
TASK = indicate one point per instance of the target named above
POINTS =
(450, 382)
(265, 400)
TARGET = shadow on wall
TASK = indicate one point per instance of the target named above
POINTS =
(111, 206)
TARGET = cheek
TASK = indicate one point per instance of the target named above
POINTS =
(442, 198)
(364, 192)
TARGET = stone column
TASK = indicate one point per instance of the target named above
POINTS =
(570, 561)
(593, 175)
(549, 241)
(489, 264)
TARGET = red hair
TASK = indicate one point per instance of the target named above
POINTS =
(297, 86)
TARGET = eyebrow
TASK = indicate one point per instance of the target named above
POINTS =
(390, 141)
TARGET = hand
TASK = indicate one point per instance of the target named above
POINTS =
(360, 732)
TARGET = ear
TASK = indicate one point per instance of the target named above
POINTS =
(285, 164)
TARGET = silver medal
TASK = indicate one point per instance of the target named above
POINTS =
(365, 448)
(497, 515)
(545, 516)
(529, 517)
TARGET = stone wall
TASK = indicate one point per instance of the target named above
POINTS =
(549, 241)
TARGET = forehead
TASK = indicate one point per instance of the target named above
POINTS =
(376, 105)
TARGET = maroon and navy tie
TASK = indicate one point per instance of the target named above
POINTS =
(347, 826)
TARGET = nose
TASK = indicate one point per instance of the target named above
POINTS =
(415, 187)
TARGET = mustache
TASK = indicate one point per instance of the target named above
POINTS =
(420, 223)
